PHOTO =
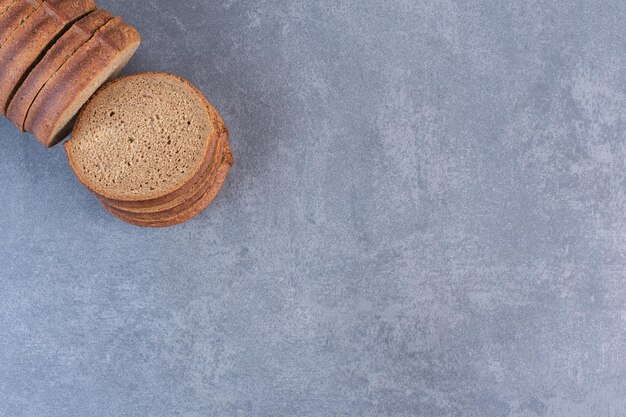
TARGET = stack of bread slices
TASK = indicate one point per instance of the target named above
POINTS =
(54, 55)
(150, 146)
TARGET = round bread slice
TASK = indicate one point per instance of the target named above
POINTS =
(77, 35)
(190, 198)
(31, 40)
(102, 57)
(4, 5)
(191, 201)
(15, 15)
(189, 213)
(142, 137)
(199, 176)
(186, 193)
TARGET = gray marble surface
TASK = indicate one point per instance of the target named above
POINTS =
(426, 218)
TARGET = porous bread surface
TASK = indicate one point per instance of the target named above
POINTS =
(100, 58)
(186, 192)
(185, 215)
(63, 49)
(15, 16)
(28, 43)
(142, 136)
(186, 200)
(191, 212)
(215, 134)
(62, 124)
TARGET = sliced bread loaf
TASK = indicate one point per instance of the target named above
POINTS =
(15, 15)
(30, 41)
(188, 213)
(99, 59)
(183, 195)
(55, 57)
(4, 5)
(142, 138)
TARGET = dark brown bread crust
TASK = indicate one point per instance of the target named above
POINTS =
(192, 211)
(76, 76)
(15, 16)
(177, 190)
(28, 43)
(57, 55)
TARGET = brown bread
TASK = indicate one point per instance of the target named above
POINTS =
(143, 137)
(199, 176)
(99, 59)
(30, 41)
(187, 200)
(4, 5)
(15, 15)
(77, 35)
(185, 193)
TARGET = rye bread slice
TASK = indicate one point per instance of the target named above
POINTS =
(216, 161)
(15, 15)
(189, 213)
(31, 40)
(187, 192)
(142, 138)
(77, 35)
(188, 199)
(184, 189)
(200, 175)
(102, 57)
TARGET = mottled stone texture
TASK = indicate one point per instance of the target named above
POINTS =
(427, 217)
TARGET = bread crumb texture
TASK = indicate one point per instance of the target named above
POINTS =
(142, 135)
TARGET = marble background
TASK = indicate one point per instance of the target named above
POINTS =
(426, 217)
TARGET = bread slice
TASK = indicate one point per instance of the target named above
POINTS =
(15, 15)
(31, 40)
(190, 212)
(183, 195)
(190, 197)
(142, 138)
(102, 57)
(198, 177)
(78, 34)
